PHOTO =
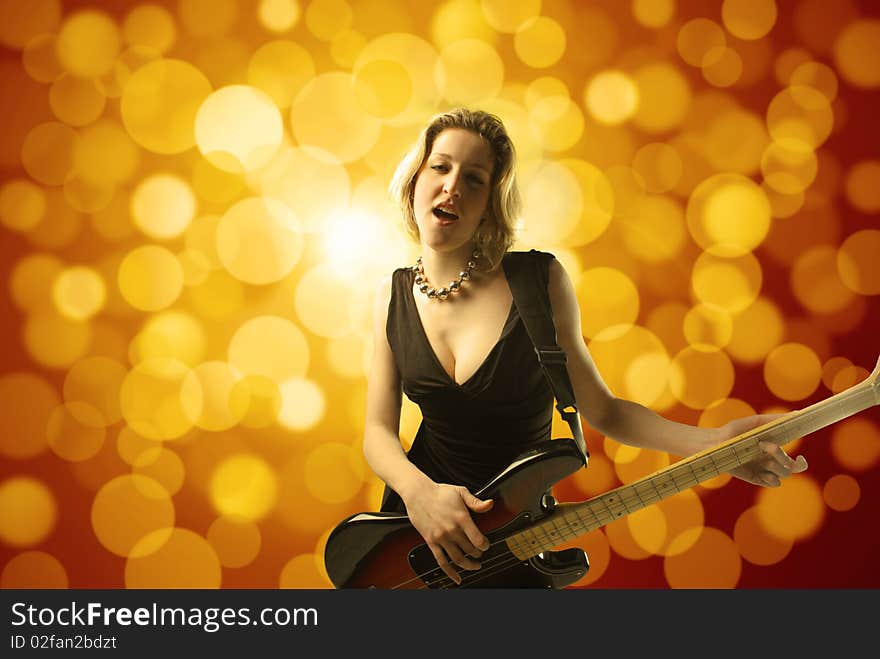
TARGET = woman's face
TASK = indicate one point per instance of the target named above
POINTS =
(452, 189)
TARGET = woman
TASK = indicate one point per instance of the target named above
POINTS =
(484, 399)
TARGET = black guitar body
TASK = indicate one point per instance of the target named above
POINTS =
(383, 550)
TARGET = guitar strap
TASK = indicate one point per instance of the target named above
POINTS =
(527, 276)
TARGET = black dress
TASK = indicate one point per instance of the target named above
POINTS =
(471, 431)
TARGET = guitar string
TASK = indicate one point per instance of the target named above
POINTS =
(510, 560)
(491, 566)
(750, 452)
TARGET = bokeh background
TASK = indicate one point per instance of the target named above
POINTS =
(193, 219)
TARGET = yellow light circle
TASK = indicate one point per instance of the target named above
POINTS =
(260, 399)
(56, 341)
(786, 170)
(697, 39)
(326, 18)
(755, 544)
(816, 282)
(150, 278)
(725, 69)
(712, 561)
(559, 121)
(657, 231)
(151, 26)
(757, 329)
(303, 572)
(207, 396)
(730, 283)
(33, 569)
(857, 262)
(182, 559)
(127, 510)
(88, 43)
(130, 445)
(22, 204)
(664, 97)
(794, 511)
(634, 363)
(259, 240)
(236, 540)
(162, 206)
(420, 59)
(539, 42)
(659, 165)
(841, 492)
(76, 101)
(855, 444)
(474, 71)
(800, 118)
(75, 431)
(863, 186)
(508, 17)
(159, 105)
(653, 13)
(707, 327)
(383, 88)
(172, 334)
(607, 298)
(315, 287)
(728, 215)
(857, 54)
(699, 378)
(597, 201)
(244, 485)
(238, 128)
(612, 97)
(792, 371)
(278, 15)
(326, 114)
(162, 465)
(280, 69)
(553, 191)
(47, 152)
(79, 292)
(749, 19)
(28, 511)
(150, 399)
(105, 155)
(96, 380)
(332, 473)
(302, 404)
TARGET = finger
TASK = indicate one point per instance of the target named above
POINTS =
(778, 455)
(473, 542)
(800, 464)
(444, 564)
(457, 555)
(769, 479)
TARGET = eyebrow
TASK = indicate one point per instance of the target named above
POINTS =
(471, 164)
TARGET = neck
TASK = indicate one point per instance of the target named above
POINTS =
(443, 267)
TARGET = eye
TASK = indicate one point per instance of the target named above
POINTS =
(438, 167)
(476, 180)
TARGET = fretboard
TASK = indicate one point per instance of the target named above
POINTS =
(572, 520)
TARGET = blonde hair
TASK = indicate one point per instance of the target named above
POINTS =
(496, 233)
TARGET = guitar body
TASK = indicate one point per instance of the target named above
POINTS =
(384, 550)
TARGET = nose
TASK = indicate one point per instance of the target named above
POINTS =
(450, 184)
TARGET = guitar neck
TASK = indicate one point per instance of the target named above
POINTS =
(576, 519)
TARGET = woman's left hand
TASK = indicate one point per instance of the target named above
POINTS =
(773, 464)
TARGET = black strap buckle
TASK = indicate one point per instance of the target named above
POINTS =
(551, 355)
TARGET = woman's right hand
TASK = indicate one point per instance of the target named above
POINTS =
(441, 513)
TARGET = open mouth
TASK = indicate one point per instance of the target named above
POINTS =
(444, 215)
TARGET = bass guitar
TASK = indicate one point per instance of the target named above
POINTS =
(384, 550)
